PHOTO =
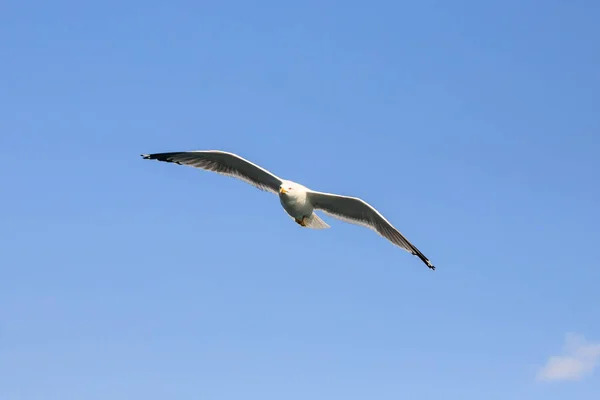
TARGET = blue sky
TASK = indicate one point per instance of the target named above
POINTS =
(473, 126)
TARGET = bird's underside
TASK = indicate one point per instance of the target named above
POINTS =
(348, 209)
(313, 221)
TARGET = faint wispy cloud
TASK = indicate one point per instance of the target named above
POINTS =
(578, 360)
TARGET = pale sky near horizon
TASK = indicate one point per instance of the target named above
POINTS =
(472, 126)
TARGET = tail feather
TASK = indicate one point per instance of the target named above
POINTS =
(315, 222)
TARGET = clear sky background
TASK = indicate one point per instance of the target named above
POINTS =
(473, 126)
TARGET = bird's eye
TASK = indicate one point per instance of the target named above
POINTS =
(289, 188)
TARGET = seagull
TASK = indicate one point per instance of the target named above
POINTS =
(297, 200)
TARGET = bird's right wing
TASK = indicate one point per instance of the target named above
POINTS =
(359, 212)
(223, 163)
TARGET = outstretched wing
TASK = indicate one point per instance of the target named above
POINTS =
(223, 163)
(357, 211)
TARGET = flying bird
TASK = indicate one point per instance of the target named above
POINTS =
(297, 200)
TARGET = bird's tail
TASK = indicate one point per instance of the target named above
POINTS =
(314, 222)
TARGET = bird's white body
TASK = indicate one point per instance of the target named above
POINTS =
(296, 205)
(294, 199)
(297, 200)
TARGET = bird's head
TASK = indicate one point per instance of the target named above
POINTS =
(287, 187)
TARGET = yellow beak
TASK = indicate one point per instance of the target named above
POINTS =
(282, 191)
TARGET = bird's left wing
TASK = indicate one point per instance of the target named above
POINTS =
(358, 211)
(223, 163)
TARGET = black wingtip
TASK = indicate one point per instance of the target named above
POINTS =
(145, 156)
(424, 259)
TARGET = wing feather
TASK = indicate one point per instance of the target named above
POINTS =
(224, 163)
(359, 212)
